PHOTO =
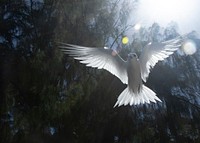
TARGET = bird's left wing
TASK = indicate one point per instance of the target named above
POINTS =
(155, 52)
(100, 58)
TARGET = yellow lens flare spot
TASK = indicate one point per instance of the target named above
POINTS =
(125, 40)
(189, 47)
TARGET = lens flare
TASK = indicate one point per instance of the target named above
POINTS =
(125, 40)
(137, 26)
(189, 47)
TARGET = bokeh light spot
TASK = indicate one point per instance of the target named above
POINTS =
(137, 26)
(189, 47)
(125, 40)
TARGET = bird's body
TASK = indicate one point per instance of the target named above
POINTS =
(135, 93)
(132, 72)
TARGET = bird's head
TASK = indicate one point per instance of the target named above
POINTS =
(132, 56)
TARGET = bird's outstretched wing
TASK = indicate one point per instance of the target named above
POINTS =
(100, 58)
(155, 52)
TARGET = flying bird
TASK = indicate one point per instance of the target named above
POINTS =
(133, 72)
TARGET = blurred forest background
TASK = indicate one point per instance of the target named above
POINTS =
(47, 97)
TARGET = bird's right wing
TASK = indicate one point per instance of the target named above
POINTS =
(100, 58)
(157, 52)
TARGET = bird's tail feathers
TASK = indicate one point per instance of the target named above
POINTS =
(128, 97)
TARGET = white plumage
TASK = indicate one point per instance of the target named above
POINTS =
(131, 72)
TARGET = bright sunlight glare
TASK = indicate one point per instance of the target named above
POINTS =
(168, 9)
(184, 12)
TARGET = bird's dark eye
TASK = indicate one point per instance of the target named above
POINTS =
(131, 55)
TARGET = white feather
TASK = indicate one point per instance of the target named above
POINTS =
(128, 97)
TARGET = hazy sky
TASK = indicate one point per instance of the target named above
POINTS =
(186, 13)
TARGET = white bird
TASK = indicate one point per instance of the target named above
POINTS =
(131, 72)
